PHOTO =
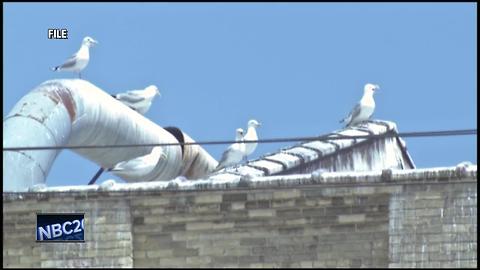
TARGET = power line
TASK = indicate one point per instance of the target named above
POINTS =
(328, 137)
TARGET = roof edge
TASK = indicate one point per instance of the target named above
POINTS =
(461, 172)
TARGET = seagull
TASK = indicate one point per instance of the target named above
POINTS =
(364, 109)
(139, 166)
(79, 60)
(251, 135)
(234, 153)
(139, 100)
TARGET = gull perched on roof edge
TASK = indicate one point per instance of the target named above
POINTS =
(80, 59)
(140, 166)
(234, 153)
(251, 135)
(364, 108)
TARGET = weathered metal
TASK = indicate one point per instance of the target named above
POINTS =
(76, 112)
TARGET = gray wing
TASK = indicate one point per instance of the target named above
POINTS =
(224, 158)
(70, 62)
(129, 97)
(353, 114)
(136, 92)
(225, 155)
(131, 164)
(356, 111)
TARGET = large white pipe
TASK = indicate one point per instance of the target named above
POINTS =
(75, 112)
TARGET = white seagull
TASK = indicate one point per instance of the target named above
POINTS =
(234, 153)
(251, 135)
(141, 165)
(139, 100)
(79, 60)
(364, 109)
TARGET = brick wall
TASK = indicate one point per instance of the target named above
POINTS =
(434, 226)
(426, 223)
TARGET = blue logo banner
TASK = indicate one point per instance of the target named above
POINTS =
(60, 227)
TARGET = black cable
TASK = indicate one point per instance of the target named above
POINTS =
(275, 140)
(95, 177)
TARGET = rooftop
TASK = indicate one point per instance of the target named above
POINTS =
(335, 155)
(464, 170)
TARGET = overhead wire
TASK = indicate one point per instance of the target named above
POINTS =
(328, 137)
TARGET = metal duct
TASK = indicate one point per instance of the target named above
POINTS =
(76, 112)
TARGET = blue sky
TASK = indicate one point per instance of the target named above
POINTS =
(297, 68)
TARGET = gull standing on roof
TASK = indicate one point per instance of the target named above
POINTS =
(251, 135)
(364, 109)
(234, 153)
(139, 100)
(140, 166)
(79, 60)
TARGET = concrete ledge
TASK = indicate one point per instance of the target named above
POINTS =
(462, 172)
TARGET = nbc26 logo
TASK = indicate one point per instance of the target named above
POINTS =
(60, 227)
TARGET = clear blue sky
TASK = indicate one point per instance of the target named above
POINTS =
(297, 68)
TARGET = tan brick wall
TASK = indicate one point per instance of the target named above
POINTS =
(434, 226)
(108, 237)
(425, 224)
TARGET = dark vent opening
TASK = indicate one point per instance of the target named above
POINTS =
(178, 134)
